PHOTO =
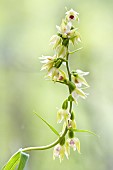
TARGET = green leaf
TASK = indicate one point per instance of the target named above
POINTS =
(13, 161)
(23, 160)
(87, 131)
(18, 159)
(52, 128)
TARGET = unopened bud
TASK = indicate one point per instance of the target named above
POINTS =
(65, 104)
(70, 98)
(62, 142)
(71, 134)
(72, 115)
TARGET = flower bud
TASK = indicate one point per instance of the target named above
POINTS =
(72, 116)
(62, 142)
(70, 98)
(65, 104)
(71, 134)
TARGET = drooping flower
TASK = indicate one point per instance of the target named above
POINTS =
(64, 29)
(63, 114)
(71, 124)
(53, 73)
(56, 74)
(79, 79)
(82, 73)
(55, 41)
(72, 15)
(76, 38)
(59, 152)
(73, 143)
(61, 51)
(76, 93)
(48, 62)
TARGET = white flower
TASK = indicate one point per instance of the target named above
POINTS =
(63, 114)
(64, 29)
(59, 152)
(72, 15)
(53, 73)
(61, 51)
(78, 92)
(82, 73)
(71, 124)
(48, 62)
(56, 74)
(73, 143)
(55, 40)
(79, 79)
(75, 38)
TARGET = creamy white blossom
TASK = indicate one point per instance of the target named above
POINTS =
(64, 29)
(63, 114)
(53, 73)
(76, 93)
(72, 15)
(55, 41)
(82, 73)
(78, 78)
(59, 152)
(56, 74)
(71, 124)
(48, 62)
(73, 143)
(61, 51)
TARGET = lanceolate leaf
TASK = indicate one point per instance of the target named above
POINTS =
(23, 160)
(52, 128)
(87, 131)
(13, 161)
(19, 160)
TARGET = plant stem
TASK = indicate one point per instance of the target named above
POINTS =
(47, 146)
(66, 129)
(69, 76)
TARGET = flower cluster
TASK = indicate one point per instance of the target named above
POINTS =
(61, 150)
(66, 33)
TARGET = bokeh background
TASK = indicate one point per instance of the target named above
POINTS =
(25, 30)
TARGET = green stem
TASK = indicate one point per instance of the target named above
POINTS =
(67, 66)
(69, 76)
(65, 131)
(47, 146)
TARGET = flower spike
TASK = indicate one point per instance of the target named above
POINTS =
(58, 70)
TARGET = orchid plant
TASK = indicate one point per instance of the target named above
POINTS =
(66, 33)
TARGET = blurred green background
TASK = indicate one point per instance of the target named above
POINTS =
(25, 30)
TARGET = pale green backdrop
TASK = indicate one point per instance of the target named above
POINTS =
(25, 29)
